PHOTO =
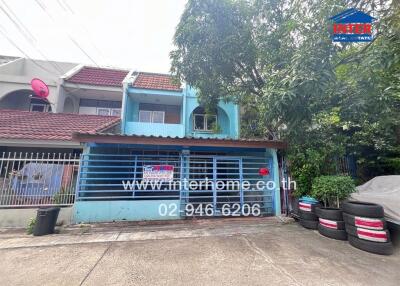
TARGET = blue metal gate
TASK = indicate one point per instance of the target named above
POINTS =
(226, 186)
(203, 185)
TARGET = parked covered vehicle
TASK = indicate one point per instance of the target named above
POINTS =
(385, 191)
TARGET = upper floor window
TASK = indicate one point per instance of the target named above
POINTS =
(151, 116)
(109, 111)
(203, 121)
(40, 105)
(100, 107)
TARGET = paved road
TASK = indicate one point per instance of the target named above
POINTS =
(263, 252)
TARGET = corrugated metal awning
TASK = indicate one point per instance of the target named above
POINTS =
(186, 141)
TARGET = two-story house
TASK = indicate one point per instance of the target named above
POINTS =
(174, 159)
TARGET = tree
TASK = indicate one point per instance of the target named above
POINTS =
(276, 59)
(261, 54)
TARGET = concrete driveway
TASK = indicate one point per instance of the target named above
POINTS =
(211, 252)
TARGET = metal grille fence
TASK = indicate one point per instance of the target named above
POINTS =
(37, 179)
(102, 177)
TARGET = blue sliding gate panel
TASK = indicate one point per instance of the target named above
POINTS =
(112, 187)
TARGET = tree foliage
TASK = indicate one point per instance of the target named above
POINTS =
(276, 59)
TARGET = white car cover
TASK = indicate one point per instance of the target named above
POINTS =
(382, 190)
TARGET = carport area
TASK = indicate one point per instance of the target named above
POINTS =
(242, 251)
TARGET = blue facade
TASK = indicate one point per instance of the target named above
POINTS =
(102, 193)
(186, 102)
(101, 196)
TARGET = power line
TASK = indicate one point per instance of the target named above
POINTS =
(62, 3)
(69, 36)
(33, 61)
(65, 6)
(19, 49)
(17, 24)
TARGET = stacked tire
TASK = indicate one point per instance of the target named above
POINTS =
(366, 227)
(330, 223)
(308, 218)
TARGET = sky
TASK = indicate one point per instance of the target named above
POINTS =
(132, 34)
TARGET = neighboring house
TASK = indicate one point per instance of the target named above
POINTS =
(73, 88)
(15, 88)
(93, 90)
(39, 161)
(166, 135)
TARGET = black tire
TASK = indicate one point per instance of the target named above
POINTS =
(340, 225)
(382, 248)
(380, 223)
(394, 230)
(308, 215)
(310, 224)
(363, 209)
(352, 230)
(329, 213)
(332, 233)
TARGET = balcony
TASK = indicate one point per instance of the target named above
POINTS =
(154, 129)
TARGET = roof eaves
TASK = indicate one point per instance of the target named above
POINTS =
(45, 143)
(72, 72)
(92, 85)
(158, 89)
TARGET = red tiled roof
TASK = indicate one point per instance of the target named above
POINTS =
(16, 124)
(98, 76)
(156, 81)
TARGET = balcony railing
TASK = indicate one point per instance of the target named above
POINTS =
(154, 129)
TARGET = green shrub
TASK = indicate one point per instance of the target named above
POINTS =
(31, 226)
(332, 189)
(305, 166)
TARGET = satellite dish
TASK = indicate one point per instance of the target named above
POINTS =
(40, 88)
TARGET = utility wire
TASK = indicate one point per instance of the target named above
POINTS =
(53, 64)
(62, 3)
(33, 61)
(19, 49)
(65, 6)
(69, 36)
(25, 29)
(17, 24)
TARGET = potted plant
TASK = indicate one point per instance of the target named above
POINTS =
(331, 190)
